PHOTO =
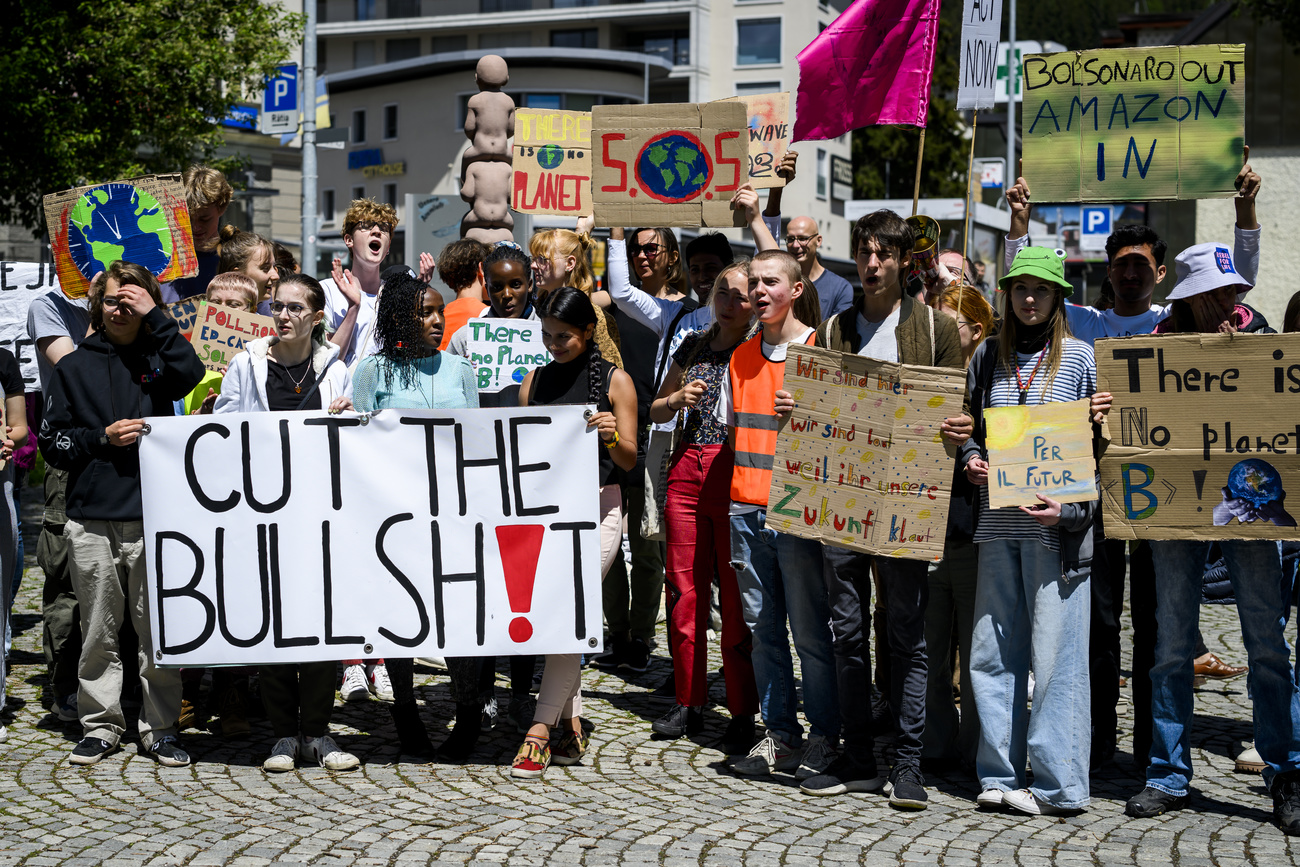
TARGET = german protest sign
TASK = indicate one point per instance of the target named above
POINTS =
(1044, 449)
(1204, 440)
(668, 165)
(981, 25)
(861, 463)
(141, 220)
(552, 162)
(219, 333)
(1134, 124)
(278, 537)
(504, 350)
(185, 312)
(769, 135)
(21, 283)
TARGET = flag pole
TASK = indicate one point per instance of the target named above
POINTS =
(970, 174)
(916, 187)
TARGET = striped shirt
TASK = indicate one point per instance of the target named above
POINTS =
(1076, 379)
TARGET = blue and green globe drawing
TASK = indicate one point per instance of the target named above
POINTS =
(550, 156)
(674, 167)
(1254, 481)
(118, 221)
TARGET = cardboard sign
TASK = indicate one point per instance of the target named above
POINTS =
(552, 162)
(981, 25)
(1204, 439)
(21, 283)
(668, 165)
(1044, 449)
(142, 220)
(861, 463)
(185, 312)
(769, 135)
(277, 537)
(504, 350)
(220, 333)
(1134, 124)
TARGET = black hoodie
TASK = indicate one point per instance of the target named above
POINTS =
(97, 384)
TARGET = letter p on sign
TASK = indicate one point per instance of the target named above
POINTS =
(1095, 228)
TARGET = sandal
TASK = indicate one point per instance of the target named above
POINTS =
(570, 748)
(532, 759)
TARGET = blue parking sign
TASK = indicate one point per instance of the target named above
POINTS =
(1094, 228)
(280, 101)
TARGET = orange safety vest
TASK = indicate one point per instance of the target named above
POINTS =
(754, 384)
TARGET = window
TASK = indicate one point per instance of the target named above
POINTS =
(749, 88)
(359, 126)
(363, 53)
(390, 194)
(358, 193)
(571, 4)
(321, 7)
(553, 101)
(442, 44)
(758, 41)
(505, 5)
(586, 38)
(390, 122)
(365, 10)
(672, 45)
(506, 39)
(320, 56)
(403, 8)
(402, 49)
(327, 206)
(823, 174)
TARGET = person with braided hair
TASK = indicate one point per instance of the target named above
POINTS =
(560, 258)
(698, 522)
(578, 375)
(409, 372)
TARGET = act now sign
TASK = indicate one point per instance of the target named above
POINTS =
(1134, 124)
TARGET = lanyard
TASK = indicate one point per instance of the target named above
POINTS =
(1023, 385)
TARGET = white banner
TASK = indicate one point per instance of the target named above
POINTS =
(981, 26)
(504, 350)
(21, 283)
(408, 533)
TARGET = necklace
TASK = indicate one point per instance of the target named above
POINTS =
(297, 383)
(1024, 385)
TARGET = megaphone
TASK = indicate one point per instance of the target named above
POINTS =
(926, 246)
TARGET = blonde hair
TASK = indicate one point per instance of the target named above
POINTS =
(237, 248)
(369, 211)
(237, 281)
(564, 243)
(969, 302)
(206, 186)
(1058, 325)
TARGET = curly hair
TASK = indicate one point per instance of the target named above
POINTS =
(205, 186)
(459, 263)
(398, 330)
(572, 307)
(369, 211)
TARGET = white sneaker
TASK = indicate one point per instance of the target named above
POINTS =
(380, 684)
(355, 686)
(818, 754)
(324, 752)
(1249, 761)
(989, 798)
(768, 755)
(283, 755)
(1025, 801)
(4, 734)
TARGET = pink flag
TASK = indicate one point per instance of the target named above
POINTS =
(871, 66)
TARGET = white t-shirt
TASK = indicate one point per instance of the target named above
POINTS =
(1089, 323)
(336, 307)
(726, 408)
(878, 339)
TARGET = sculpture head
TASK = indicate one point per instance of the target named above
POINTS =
(491, 73)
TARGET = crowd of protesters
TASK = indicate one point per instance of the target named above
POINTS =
(1003, 655)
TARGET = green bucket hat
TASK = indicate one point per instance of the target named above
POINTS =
(1041, 262)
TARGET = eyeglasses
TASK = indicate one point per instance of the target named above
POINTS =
(112, 302)
(294, 310)
(791, 240)
(651, 250)
(540, 260)
(370, 224)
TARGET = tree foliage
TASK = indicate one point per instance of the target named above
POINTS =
(943, 168)
(97, 90)
(1285, 12)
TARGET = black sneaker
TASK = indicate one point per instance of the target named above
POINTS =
(666, 691)
(90, 751)
(1286, 803)
(168, 753)
(679, 721)
(613, 656)
(636, 657)
(738, 738)
(1152, 802)
(906, 788)
(845, 774)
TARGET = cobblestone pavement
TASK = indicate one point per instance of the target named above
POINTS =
(632, 800)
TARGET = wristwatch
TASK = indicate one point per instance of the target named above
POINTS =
(103, 439)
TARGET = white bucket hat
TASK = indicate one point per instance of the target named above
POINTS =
(1204, 268)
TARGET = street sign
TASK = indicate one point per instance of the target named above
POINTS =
(841, 178)
(331, 137)
(1023, 47)
(280, 108)
(1094, 228)
(990, 172)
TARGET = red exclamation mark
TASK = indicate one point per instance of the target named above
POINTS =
(520, 545)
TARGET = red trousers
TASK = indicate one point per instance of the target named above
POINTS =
(699, 546)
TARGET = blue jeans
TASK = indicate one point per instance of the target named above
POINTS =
(1026, 615)
(780, 578)
(18, 574)
(1255, 568)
